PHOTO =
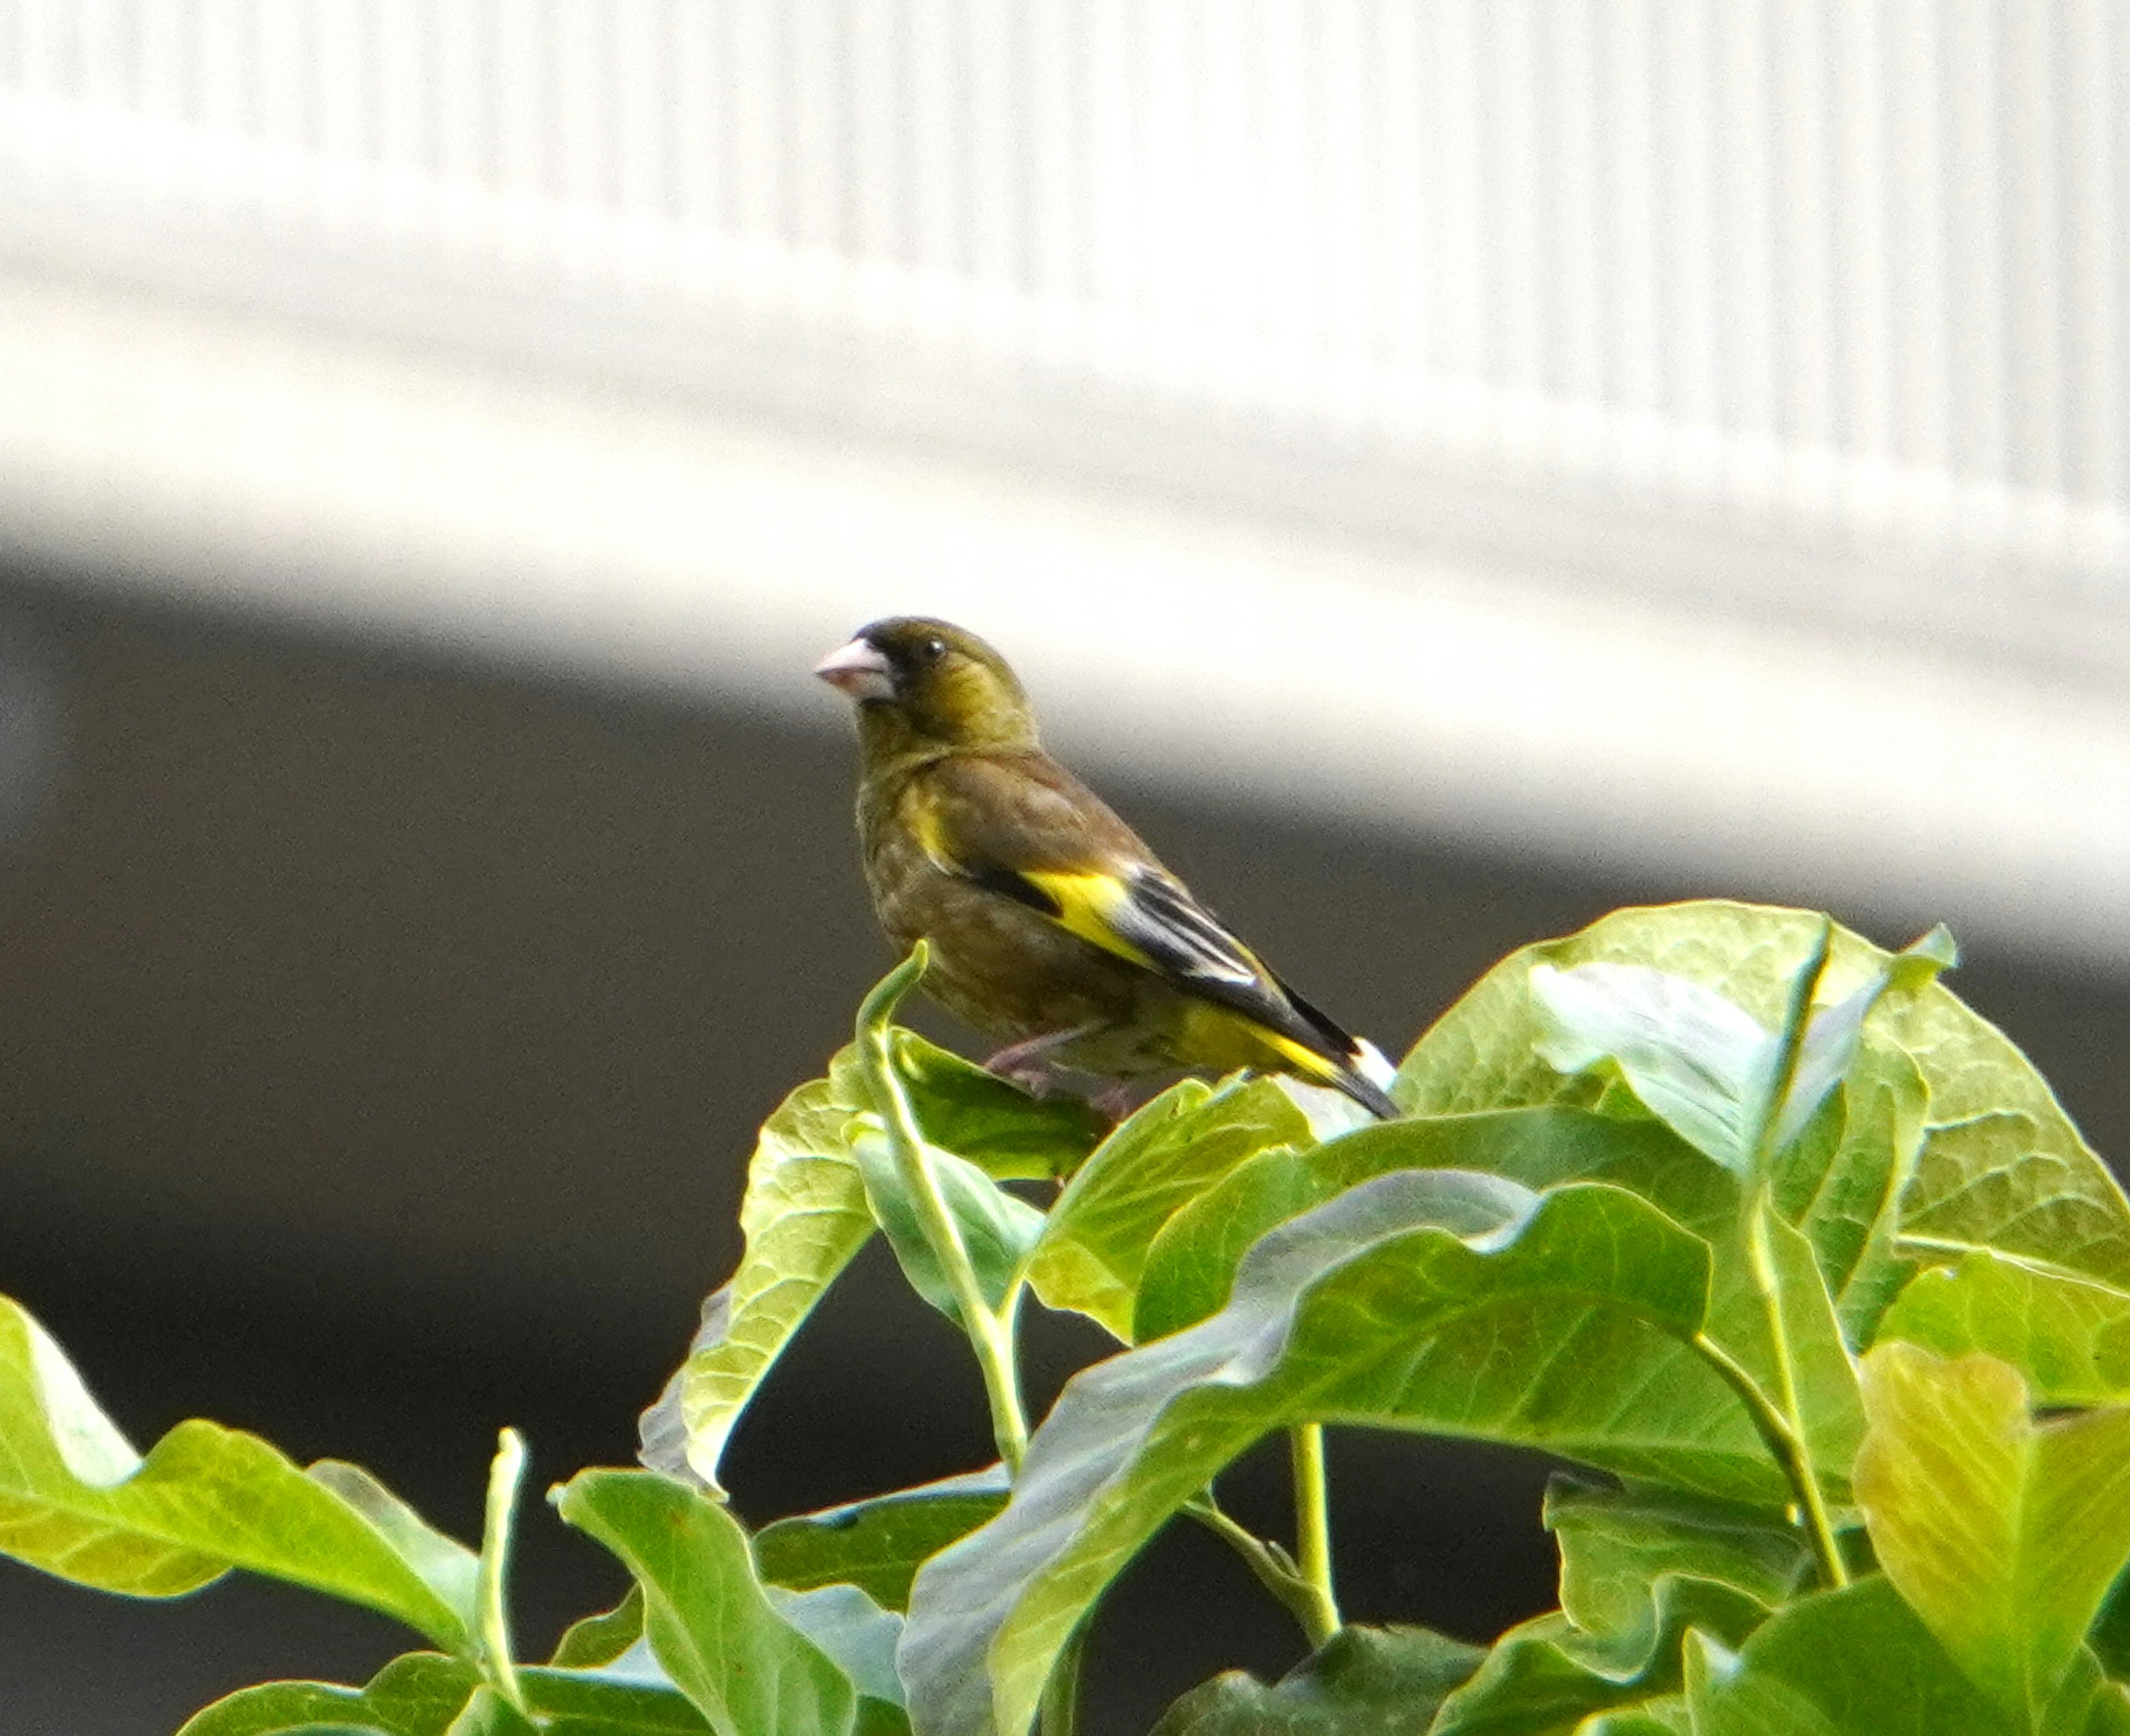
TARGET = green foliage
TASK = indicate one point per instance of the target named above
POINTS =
(426, 1695)
(2003, 1533)
(1619, 1549)
(1388, 1681)
(807, 1213)
(710, 1623)
(878, 1545)
(1092, 1255)
(1750, 1218)
(996, 1229)
(1342, 1314)
(2070, 1336)
(76, 1499)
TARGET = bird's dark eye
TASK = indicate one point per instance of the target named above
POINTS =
(932, 649)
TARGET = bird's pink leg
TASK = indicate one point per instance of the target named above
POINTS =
(1123, 1097)
(1031, 1064)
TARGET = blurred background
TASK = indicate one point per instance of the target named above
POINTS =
(1445, 469)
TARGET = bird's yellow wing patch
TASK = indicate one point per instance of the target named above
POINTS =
(1089, 903)
(1149, 919)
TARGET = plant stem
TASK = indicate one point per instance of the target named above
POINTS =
(495, 1637)
(1786, 1444)
(1275, 1570)
(990, 1330)
(1803, 1474)
(1780, 1419)
(1312, 1516)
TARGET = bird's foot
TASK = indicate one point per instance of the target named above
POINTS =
(1041, 1080)
(1033, 1065)
(1123, 1097)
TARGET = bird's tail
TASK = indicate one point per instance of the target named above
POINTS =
(1359, 1070)
(1364, 1077)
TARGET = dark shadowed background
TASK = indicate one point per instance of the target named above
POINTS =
(384, 1041)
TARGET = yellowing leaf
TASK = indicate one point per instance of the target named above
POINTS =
(2003, 1533)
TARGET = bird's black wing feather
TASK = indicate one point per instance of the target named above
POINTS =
(1025, 828)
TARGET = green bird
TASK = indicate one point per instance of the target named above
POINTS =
(1051, 924)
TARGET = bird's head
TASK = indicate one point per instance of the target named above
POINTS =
(921, 685)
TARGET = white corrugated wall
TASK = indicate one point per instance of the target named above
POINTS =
(1784, 317)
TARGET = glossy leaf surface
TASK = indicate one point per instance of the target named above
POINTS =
(804, 1218)
(426, 1695)
(2000, 1164)
(1858, 1663)
(745, 1668)
(2068, 1335)
(996, 1229)
(1385, 1681)
(878, 1545)
(1364, 1310)
(1092, 1253)
(76, 1501)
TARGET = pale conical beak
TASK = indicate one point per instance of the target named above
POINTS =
(860, 670)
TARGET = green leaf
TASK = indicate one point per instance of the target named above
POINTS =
(2106, 1713)
(2003, 1534)
(1364, 1310)
(2109, 1636)
(573, 1703)
(1842, 1183)
(418, 1695)
(1852, 1662)
(1668, 1714)
(805, 1216)
(489, 1713)
(598, 1640)
(1386, 1681)
(1484, 1052)
(995, 1124)
(2000, 1165)
(1839, 1183)
(76, 1501)
(996, 1229)
(425, 1694)
(2016, 1180)
(1619, 1548)
(2069, 1335)
(1835, 1029)
(1800, 1349)
(1191, 1263)
(709, 1621)
(1639, 1568)
(1094, 1247)
(878, 1545)
(1547, 1677)
(851, 1628)
(1701, 1063)
(444, 1564)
